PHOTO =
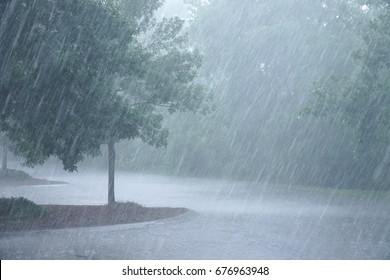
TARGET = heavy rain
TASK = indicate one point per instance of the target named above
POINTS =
(195, 129)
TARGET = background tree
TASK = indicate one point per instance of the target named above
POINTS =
(262, 58)
(362, 102)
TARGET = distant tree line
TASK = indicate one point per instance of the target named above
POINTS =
(361, 102)
(265, 59)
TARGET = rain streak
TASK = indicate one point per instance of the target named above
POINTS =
(193, 129)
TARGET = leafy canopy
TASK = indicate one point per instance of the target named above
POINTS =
(362, 102)
(76, 74)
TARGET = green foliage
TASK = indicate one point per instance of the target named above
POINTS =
(324, 97)
(12, 174)
(58, 74)
(169, 82)
(20, 208)
(262, 57)
(140, 10)
(76, 74)
(362, 102)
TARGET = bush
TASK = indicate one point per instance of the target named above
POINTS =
(12, 174)
(19, 208)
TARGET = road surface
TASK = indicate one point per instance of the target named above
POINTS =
(228, 220)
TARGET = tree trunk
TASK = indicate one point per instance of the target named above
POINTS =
(111, 172)
(4, 163)
(379, 170)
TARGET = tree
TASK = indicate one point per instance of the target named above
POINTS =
(168, 84)
(58, 74)
(67, 68)
(362, 102)
(4, 160)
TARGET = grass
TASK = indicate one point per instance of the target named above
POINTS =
(363, 193)
(19, 208)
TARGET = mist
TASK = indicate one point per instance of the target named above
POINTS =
(265, 120)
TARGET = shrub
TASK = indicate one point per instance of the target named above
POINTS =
(19, 208)
(12, 174)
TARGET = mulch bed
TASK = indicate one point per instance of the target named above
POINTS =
(71, 216)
